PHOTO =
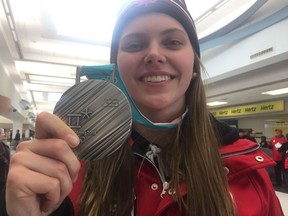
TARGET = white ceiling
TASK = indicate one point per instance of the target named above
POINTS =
(45, 63)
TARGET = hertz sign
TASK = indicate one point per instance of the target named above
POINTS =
(274, 106)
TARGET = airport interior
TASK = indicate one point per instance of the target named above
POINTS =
(244, 50)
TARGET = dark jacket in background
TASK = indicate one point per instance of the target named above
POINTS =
(17, 137)
(251, 139)
(4, 163)
(283, 149)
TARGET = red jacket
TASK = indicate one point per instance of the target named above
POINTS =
(250, 186)
(248, 181)
(277, 156)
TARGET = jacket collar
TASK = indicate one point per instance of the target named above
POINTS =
(239, 157)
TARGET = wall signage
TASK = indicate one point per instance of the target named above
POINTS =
(272, 106)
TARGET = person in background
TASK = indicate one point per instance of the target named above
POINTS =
(171, 171)
(284, 150)
(17, 138)
(23, 135)
(251, 136)
(10, 137)
(286, 169)
(275, 144)
(241, 133)
(263, 142)
(4, 159)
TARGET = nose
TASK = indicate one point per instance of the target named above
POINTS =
(154, 55)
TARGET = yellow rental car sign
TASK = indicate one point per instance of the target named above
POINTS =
(267, 107)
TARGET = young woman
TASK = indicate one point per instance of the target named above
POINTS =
(175, 170)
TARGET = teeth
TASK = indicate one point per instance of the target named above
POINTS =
(156, 78)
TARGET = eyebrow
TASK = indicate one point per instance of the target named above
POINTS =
(133, 34)
(173, 30)
(166, 31)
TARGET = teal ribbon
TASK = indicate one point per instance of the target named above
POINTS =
(111, 73)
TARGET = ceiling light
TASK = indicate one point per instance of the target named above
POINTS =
(88, 20)
(38, 96)
(198, 9)
(46, 69)
(6, 7)
(277, 92)
(50, 80)
(221, 4)
(216, 103)
(222, 21)
(54, 97)
(83, 20)
(36, 85)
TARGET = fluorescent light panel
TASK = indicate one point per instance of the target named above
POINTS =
(46, 69)
(198, 8)
(6, 8)
(229, 17)
(54, 97)
(88, 20)
(277, 92)
(51, 97)
(221, 4)
(50, 83)
(38, 96)
(51, 80)
(91, 20)
(216, 103)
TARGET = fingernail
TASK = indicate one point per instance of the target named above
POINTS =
(73, 140)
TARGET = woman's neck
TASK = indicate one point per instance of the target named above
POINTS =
(158, 137)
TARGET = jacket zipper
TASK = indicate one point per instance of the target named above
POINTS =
(240, 152)
(165, 184)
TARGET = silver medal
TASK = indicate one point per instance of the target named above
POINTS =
(100, 115)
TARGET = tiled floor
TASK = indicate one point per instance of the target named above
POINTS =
(283, 197)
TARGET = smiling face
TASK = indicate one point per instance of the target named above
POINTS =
(156, 59)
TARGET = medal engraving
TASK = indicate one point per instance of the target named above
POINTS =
(100, 115)
(86, 114)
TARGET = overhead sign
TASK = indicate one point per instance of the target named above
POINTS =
(274, 106)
